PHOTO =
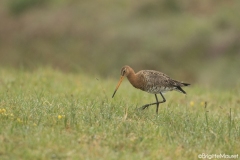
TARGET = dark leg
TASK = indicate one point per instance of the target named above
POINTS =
(157, 103)
(164, 100)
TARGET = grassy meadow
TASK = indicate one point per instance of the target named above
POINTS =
(48, 114)
(60, 63)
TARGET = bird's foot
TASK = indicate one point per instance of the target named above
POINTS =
(144, 107)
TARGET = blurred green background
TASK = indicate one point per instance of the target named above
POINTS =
(197, 41)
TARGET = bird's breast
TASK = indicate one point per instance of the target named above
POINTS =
(157, 89)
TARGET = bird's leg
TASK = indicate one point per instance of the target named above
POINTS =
(164, 100)
(147, 105)
(157, 103)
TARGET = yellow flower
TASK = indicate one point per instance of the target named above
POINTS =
(11, 116)
(202, 103)
(34, 124)
(191, 103)
(19, 120)
(59, 116)
(2, 110)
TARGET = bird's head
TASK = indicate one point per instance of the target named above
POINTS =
(124, 72)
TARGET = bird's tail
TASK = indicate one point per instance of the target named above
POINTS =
(178, 88)
(185, 84)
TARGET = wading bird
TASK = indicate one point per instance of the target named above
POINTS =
(152, 82)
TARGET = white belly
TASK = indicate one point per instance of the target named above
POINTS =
(156, 90)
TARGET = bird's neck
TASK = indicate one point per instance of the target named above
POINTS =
(134, 79)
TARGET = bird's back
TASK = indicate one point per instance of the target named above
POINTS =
(156, 82)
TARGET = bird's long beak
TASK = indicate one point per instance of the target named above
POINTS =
(120, 81)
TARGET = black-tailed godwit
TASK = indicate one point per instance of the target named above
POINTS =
(150, 81)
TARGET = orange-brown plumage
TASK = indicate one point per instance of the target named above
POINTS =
(151, 81)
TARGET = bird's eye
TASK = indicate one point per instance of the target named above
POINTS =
(123, 72)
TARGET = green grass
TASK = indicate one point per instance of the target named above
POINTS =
(47, 114)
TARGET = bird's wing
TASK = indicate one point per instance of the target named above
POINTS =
(155, 78)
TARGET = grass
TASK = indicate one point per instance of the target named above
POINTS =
(47, 114)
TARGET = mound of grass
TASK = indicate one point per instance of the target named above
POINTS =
(47, 114)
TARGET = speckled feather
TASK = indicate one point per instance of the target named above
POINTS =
(155, 82)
